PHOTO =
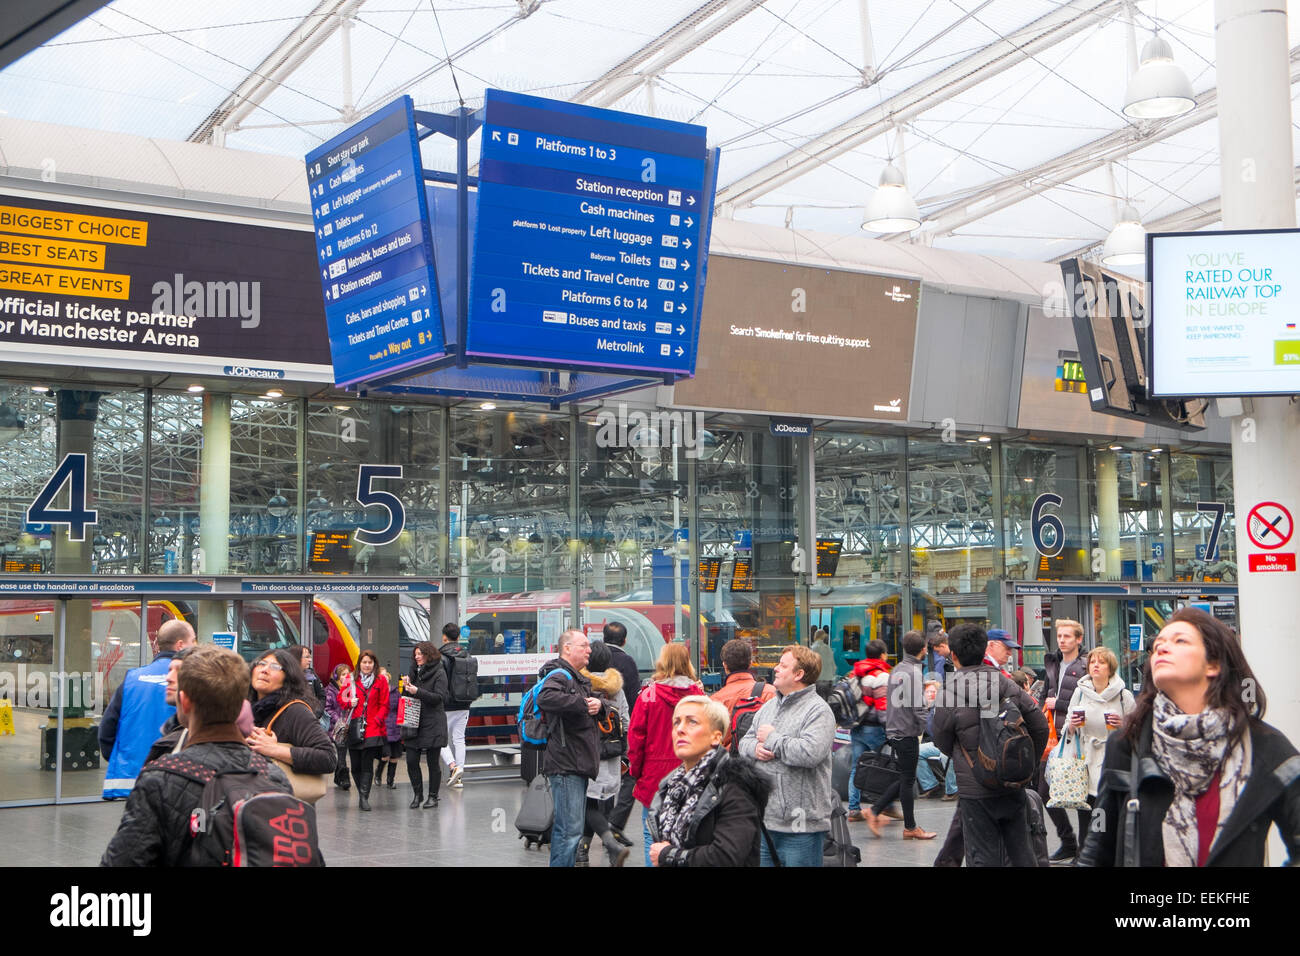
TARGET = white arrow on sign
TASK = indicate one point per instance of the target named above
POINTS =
(689, 221)
(681, 330)
(683, 286)
(686, 264)
(679, 350)
(691, 200)
(686, 243)
(682, 307)
(496, 136)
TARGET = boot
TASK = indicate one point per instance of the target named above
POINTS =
(392, 775)
(431, 802)
(417, 795)
(581, 857)
(620, 836)
(363, 787)
(616, 852)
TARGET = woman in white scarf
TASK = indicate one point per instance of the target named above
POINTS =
(1094, 714)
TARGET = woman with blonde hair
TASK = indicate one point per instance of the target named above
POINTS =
(650, 752)
(1098, 706)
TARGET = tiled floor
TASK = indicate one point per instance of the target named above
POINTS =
(471, 827)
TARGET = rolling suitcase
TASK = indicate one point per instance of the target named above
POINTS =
(536, 814)
(530, 760)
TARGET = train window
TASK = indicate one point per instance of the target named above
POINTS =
(851, 635)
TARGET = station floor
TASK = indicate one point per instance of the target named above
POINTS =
(472, 827)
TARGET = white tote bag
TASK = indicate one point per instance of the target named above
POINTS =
(1067, 777)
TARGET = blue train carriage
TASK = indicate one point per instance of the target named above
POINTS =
(854, 614)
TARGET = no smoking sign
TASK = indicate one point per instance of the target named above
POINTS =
(1269, 525)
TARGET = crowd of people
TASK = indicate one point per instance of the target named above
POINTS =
(1184, 774)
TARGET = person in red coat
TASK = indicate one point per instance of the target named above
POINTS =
(371, 692)
(650, 751)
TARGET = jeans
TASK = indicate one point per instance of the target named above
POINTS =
(994, 826)
(794, 849)
(863, 738)
(569, 792)
(645, 833)
(925, 776)
(453, 755)
(906, 748)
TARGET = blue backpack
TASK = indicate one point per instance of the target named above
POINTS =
(531, 720)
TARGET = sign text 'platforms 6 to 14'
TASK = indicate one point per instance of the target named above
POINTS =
(591, 237)
(374, 248)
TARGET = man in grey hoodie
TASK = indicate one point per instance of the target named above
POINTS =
(791, 738)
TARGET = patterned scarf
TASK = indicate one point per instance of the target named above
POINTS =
(683, 791)
(1190, 749)
(367, 680)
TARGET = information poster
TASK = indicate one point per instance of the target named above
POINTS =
(1224, 309)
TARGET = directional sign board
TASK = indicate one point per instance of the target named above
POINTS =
(373, 247)
(591, 237)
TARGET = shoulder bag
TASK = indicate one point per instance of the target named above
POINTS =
(308, 787)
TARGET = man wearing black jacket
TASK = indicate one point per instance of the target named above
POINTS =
(572, 742)
(1063, 672)
(616, 638)
(993, 822)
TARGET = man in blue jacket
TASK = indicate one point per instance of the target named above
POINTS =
(139, 708)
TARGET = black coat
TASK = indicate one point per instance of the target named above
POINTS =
(573, 742)
(310, 749)
(428, 685)
(622, 662)
(726, 824)
(1272, 794)
(449, 650)
(155, 825)
(956, 730)
(1061, 685)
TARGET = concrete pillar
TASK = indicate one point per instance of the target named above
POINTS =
(1108, 516)
(77, 411)
(214, 506)
(1258, 188)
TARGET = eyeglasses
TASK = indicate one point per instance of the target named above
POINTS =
(269, 665)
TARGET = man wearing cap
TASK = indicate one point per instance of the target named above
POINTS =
(998, 654)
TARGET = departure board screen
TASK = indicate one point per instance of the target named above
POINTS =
(331, 552)
(828, 556)
(742, 575)
(709, 570)
(22, 565)
(1051, 569)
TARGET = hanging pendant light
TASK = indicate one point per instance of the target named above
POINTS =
(1127, 243)
(891, 207)
(1159, 89)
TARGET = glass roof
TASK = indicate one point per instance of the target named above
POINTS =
(807, 98)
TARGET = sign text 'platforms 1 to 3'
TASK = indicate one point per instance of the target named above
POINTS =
(591, 233)
(374, 249)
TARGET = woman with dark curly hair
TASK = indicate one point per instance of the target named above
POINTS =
(1208, 774)
(339, 701)
(428, 685)
(286, 728)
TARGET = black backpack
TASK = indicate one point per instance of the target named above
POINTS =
(246, 818)
(613, 735)
(462, 679)
(1005, 758)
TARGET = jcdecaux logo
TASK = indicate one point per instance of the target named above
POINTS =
(248, 371)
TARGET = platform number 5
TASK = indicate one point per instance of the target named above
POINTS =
(76, 516)
(368, 496)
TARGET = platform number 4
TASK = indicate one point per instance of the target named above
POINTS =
(1216, 508)
(76, 516)
(366, 474)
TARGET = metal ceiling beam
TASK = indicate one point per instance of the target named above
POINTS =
(1016, 187)
(690, 33)
(304, 40)
(1065, 21)
(1190, 219)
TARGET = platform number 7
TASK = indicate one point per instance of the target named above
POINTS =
(76, 516)
(1216, 508)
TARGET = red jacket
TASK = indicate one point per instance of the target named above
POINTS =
(873, 675)
(650, 736)
(374, 706)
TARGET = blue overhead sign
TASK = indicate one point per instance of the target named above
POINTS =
(591, 239)
(374, 247)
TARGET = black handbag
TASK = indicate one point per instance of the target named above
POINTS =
(357, 725)
(876, 771)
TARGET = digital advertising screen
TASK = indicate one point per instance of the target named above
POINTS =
(1224, 311)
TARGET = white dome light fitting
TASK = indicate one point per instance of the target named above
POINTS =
(891, 207)
(1127, 243)
(1159, 89)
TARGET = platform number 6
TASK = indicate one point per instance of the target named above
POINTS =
(1039, 522)
(76, 516)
